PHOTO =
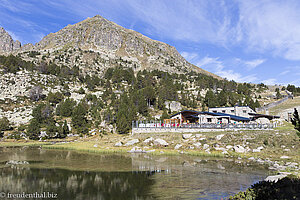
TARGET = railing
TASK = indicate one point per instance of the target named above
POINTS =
(157, 125)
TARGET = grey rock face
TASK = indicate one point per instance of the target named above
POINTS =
(7, 44)
(101, 35)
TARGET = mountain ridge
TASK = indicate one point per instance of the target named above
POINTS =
(101, 35)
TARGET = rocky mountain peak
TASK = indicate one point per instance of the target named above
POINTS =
(7, 44)
(98, 34)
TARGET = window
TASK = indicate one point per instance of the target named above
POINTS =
(223, 111)
(232, 111)
(244, 111)
(209, 120)
(214, 111)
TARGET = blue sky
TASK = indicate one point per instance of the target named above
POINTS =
(247, 41)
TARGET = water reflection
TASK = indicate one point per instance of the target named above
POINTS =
(77, 184)
(76, 175)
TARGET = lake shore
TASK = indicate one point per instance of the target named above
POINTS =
(279, 149)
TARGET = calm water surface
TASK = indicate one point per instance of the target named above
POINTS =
(74, 175)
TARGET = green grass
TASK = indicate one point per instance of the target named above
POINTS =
(290, 103)
(286, 127)
(22, 143)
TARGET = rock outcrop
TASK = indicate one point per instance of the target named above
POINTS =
(7, 44)
(112, 41)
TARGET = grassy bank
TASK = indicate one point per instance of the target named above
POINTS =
(290, 103)
(276, 143)
(21, 143)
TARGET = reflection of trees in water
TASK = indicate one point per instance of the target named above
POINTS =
(77, 184)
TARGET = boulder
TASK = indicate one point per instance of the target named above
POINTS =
(186, 136)
(95, 145)
(178, 146)
(263, 120)
(160, 142)
(205, 146)
(17, 162)
(197, 145)
(174, 106)
(275, 178)
(284, 157)
(239, 149)
(219, 137)
(198, 135)
(118, 144)
(132, 142)
(150, 139)
(136, 150)
(220, 149)
(260, 148)
(256, 150)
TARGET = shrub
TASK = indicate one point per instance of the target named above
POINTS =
(4, 124)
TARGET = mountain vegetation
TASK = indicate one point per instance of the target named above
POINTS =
(98, 75)
(127, 95)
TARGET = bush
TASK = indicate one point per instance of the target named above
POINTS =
(286, 188)
(4, 124)
(65, 108)
(81, 91)
(55, 98)
(35, 93)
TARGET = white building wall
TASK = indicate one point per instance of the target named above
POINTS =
(241, 111)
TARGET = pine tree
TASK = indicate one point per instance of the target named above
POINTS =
(125, 115)
(79, 120)
(222, 98)
(63, 130)
(33, 130)
(51, 128)
(164, 115)
(296, 121)
(210, 99)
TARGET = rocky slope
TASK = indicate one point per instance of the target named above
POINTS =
(7, 44)
(95, 41)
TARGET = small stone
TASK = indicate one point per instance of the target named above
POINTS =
(205, 146)
(160, 142)
(239, 149)
(186, 136)
(197, 145)
(219, 137)
(260, 148)
(148, 140)
(118, 144)
(284, 157)
(95, 145)
(177, 146)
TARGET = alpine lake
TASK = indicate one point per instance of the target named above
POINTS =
(81, 175)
